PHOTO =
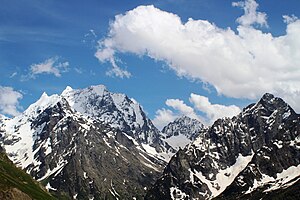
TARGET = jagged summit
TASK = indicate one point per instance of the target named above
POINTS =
(182, 131)
(115, 109)
(235, 158)
(270, 102)
(43, 102)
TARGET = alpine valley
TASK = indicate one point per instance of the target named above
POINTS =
(94, 144)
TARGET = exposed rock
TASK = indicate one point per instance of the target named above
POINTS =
(258, 150)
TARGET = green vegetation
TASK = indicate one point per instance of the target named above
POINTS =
(12, 177)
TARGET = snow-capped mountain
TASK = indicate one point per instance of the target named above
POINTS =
(113, 108)
(120, 112)
(182, 131)
(87, 143)
(255, 155)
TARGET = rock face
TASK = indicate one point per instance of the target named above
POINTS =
(182, 131)
(87, 144)
(251, 156)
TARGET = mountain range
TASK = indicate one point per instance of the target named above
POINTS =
(94, 144)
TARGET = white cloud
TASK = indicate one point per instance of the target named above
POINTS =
(183, 109)
(251, 15)
(200, 103)
(163, 117)
(49, 66)
(241, 64)
(9, 101)
(213, 111)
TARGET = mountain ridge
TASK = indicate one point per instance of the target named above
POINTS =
(224, 156)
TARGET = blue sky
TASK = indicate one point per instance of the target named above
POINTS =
(65, 35)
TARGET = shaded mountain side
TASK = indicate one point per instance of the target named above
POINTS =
(15, 184)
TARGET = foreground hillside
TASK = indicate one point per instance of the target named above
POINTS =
(16, 184)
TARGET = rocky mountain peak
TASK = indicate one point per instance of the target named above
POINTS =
(183, 125)
(234, 158)
(115, 109)
(185, 120)
(182, 131)
(41, 104)
(268, 104)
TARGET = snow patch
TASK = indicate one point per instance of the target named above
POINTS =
(149, 149)
(49, 187)
(84, 175)
(278, 144)
(282, 180)
(61, 164)
(225, 177)
(75, 196)
(286, 114)
(178, 141)
(177, 194)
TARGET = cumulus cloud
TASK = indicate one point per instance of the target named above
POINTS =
(49, 66)
(9, 101)
(200, 105)
(243, 64)
(183, 109)
(213, 111)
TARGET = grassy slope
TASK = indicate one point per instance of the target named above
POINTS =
(13, 177)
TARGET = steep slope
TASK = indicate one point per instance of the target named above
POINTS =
(182, 131)
(77, 155)
(256, 152)
(16, 184)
